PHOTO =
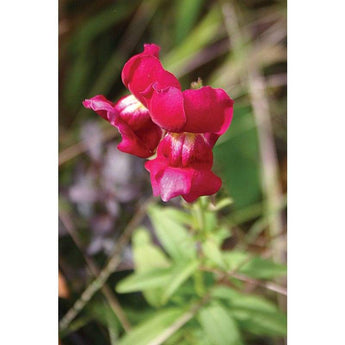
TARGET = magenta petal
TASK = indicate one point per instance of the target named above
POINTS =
(140, 136)
(204, 182)
(102, 107)
(207, 110)
(174, 182)
(187, 150)
(141, 143)
(151, 49)
(211, 138)
(168, 182)
(197, 152)
(156, 167)
(133, 112)
(167, 110)
(183, 167)
(144, 69)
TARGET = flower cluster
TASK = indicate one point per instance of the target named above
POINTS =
(180, 126)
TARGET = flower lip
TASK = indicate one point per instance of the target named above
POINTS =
(183, 167)
(140, 136)
(169, 182)
(102, 107)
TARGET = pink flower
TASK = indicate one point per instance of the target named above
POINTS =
(140, 136)
(183, 167)
(192, 121)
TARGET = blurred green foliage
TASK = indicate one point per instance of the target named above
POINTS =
(238, 159)
(221, 42)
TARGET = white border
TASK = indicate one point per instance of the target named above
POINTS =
(28, 180)
(29, 166)
(316, 172)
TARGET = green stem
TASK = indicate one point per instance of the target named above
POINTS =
(199, 215)
(198, 210)
(199, 283)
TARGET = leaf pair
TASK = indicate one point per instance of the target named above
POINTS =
(169, 279)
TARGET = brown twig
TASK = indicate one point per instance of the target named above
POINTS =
(260, 105)
(270, 170)
(94, 270)
(111, 266)
(234, 274)
(267, 285)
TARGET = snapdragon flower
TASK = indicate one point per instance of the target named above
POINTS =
(182, 126)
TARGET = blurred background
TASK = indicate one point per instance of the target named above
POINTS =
(236, 45)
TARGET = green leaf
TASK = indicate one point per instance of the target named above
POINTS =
(235, 299)
(150, 329)
(190, 334)
(253, 313)
(234, 259)
(169, 279)
(179, 276)
(146, 254)
(260, 268)
(255, 267)
(157, 277)
(219, 326)
(213, 252)
(261, 323)
(221, 234)
(101, 312)
(146, 257)
(172, 234)
(112, 329)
